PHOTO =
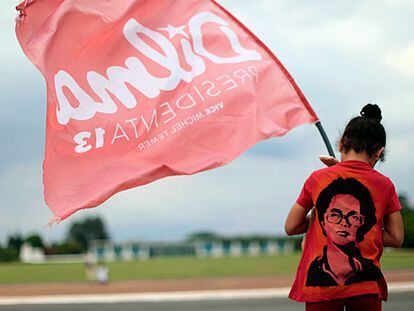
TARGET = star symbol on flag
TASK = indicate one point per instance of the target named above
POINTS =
(174, 31)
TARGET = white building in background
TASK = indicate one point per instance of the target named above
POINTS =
(34, 255)
(107, 251)
(30, 254)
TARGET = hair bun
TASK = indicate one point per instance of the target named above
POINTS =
(371, 111)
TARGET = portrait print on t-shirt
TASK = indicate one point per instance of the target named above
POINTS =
(346, 212)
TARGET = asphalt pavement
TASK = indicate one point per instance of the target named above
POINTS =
(397, 302)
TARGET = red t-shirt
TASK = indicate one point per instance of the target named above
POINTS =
(344, 242)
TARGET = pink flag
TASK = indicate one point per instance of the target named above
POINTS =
(138, 90)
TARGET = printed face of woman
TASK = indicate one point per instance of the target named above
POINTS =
(342, 219)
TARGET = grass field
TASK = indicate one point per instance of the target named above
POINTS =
(178, 267)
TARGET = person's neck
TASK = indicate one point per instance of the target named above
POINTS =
(362, 156)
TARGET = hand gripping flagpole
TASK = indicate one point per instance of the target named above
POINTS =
(325, 138)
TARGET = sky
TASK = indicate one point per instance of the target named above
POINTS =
(343, 54)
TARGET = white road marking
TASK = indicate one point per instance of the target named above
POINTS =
(207, 295)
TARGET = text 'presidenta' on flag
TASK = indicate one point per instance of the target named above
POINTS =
(138, 90)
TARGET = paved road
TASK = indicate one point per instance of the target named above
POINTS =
(397, 302)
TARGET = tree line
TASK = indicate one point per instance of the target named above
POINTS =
(75, 241)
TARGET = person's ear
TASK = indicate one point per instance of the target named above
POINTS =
(340, 146)
(378, 154)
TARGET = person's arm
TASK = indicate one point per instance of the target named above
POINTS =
(393, 233)
(297, 221)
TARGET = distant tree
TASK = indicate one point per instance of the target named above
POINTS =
(15, 242)
(407, 213)
(202, 235)
(8, 254)
(64, 248)
(35, 241)
(86, 230)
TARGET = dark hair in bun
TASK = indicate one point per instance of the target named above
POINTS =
(372, 112)
(365, 133)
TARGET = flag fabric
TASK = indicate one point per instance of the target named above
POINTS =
(138, 90)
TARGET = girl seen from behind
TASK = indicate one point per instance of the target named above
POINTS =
(355, 213)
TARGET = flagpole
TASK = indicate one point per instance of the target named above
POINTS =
(325, 138)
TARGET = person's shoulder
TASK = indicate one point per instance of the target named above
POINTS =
(382, 178)
(325, 171)
(321, 174)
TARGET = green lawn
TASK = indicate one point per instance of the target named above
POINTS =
(179, 267)
(398, 260)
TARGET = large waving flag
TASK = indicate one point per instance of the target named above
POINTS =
(138, 90)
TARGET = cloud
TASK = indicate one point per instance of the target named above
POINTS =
(22, 206)
(403, 61)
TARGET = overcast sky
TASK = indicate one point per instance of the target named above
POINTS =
(343, 54)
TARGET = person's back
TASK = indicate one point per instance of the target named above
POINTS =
(353, 205)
